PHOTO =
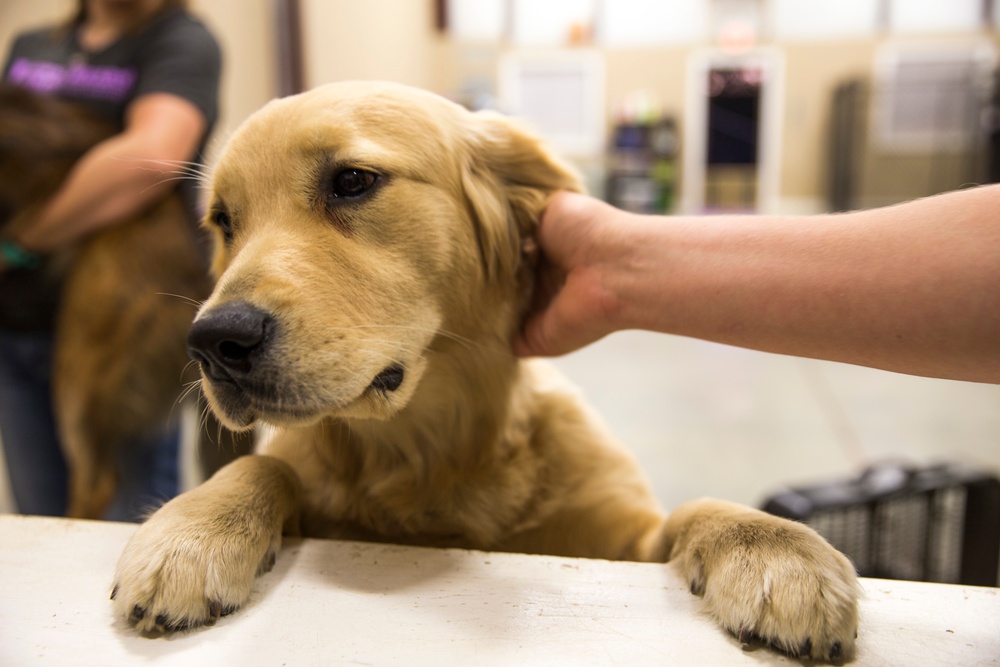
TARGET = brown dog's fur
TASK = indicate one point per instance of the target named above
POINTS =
(126, 303)
(428, 271)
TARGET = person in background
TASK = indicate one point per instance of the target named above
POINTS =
(912, 288)
(153, 69)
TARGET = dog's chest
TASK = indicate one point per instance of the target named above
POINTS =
(443, 504)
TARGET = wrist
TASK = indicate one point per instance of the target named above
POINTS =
(633, 260)
(16, 256)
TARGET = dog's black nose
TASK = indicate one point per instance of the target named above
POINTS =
(226, 340)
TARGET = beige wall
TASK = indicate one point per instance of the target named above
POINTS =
(244, 31)
(18, 15)
(374, 39)
(812, 72)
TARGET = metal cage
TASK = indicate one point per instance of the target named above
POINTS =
(938, 524)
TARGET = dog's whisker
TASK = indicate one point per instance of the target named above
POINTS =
(180, 169)
(392, 359)
(161, 181)
(174, 176)
(203, 421)
(376, 350)
(196, 167)
(407, 347)
(190, 171)
(206, 413)
(189, 389)
(377, 341)
(192, 383)
(442, 332)
(194, 302)
(466, 342)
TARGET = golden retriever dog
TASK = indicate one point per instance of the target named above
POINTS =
(374, 259)
(126, 303)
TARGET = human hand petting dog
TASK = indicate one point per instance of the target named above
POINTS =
(819, 286)
(370, 281)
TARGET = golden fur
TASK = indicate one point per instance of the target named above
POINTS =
(428, 271)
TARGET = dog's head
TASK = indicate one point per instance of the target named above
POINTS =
(361, 229)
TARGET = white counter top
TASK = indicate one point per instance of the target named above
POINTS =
(331, 603)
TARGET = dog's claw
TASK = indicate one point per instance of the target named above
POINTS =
(750, 640)
(114, 592)
(138, 613)
(214, 609)
(267, 564)
(835, 651)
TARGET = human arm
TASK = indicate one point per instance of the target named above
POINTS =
(911, 288)
(120, 176)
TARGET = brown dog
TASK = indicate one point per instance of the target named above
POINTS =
(127, 301)
(374, 254)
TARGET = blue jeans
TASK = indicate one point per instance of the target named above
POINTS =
(148, 470)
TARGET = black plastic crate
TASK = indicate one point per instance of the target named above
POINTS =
(940, 523)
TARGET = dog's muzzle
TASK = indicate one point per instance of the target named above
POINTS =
(231, 341)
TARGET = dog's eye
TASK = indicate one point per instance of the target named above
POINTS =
(221, 219)
(349, 183)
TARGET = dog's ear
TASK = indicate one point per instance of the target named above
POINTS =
(507, 178)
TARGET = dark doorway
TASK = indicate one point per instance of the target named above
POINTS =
(734, 96)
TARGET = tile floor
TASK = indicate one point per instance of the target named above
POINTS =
(707, 419)
(710, 420)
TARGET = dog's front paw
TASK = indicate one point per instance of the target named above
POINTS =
(768, 580)
(781, 585)
(186, 567)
